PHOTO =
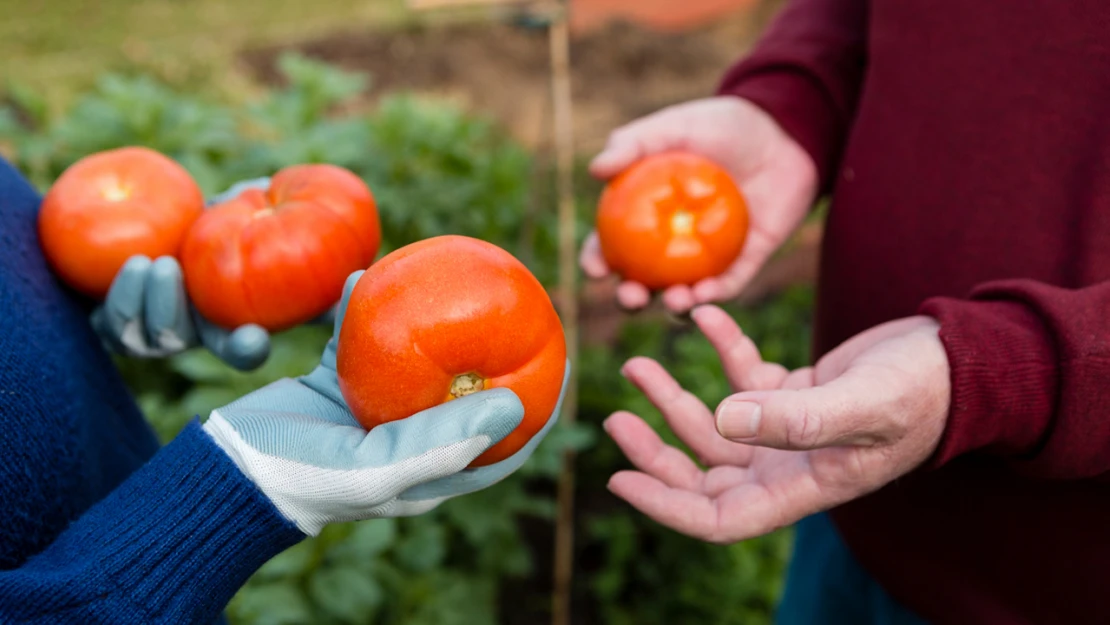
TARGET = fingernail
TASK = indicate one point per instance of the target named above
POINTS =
(739, 419)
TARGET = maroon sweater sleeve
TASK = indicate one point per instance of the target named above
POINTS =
(1030, 370)
(806, 72)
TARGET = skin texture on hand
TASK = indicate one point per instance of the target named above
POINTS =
(788, 444)
(775, 174)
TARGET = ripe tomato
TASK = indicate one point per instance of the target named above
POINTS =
(445, 317)
(672, 218)
(110, 206)
(279, 258)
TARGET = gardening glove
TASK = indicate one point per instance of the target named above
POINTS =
(147, 313)
(299, 443)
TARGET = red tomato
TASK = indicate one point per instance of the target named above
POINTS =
(110, 206)
(672, 218)
(279, 258)
(445, 317)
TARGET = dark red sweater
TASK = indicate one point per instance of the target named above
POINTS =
(967, 148)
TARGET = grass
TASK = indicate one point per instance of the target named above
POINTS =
(58, 47)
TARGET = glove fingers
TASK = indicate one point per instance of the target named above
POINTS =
(122, 316)
(168, 323)
(247, 347)
(484, 477)
(318, 432)
(244, 348)
(433, 435)
(327, 360)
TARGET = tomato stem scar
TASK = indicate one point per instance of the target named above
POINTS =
(116, 191)
(466, 384)
(682, 222)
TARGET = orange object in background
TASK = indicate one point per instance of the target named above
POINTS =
(279, 258)
(671, 218)
(661, 15)
(442, 318)
(110, 206)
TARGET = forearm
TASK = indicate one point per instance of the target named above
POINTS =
(806, 71)
(172, 544)
(1029, 369)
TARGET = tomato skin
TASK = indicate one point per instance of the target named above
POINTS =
(279, 258)
(671, 218)
(443, 307)
(110, 206)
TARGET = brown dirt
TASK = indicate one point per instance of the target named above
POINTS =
(620, 70)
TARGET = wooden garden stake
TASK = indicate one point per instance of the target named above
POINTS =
(558, 28)
(559, 35)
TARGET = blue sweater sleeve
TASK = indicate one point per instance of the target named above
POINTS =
(171, 544)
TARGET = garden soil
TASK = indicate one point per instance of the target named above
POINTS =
(620, 70)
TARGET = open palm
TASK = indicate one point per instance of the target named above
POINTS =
(777, 177)
(832, 448)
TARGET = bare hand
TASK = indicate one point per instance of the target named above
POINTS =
(775, 174)
(788, 444)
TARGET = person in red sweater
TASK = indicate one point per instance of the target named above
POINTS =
(945, 458)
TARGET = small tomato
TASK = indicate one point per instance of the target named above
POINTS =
(445, 317)
(110, 206)
(278, 258)
(671, 218)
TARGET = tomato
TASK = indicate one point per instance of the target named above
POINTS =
(279, 258)
(445, 317)
(110, 206)
(671, 218)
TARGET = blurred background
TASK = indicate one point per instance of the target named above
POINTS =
(447, 116)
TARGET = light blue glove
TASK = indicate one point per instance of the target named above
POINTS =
(147, 313)
(297, 440)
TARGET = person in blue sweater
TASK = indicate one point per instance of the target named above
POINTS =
(101, 524)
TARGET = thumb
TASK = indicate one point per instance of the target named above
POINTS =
(620, 152)
(641, 138)
(245, 348)
(338, 312)
(833, 414)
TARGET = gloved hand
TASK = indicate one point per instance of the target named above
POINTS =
(297, 440)
(147, 313)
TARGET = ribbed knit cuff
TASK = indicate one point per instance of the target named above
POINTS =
(179, 537)
(1003, 374)
(800, 106)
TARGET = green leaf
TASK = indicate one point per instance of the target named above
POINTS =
(423, 546)
(346, 593)
(366, 541)
(293, 562)
(271, 604)
(200, 365)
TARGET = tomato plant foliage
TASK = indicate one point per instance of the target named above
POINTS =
(434, 169)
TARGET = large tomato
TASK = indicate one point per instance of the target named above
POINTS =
(110, 206)
(671, 218)
(445, 317)
(279, 258)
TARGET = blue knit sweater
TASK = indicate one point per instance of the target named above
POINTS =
(97, 524)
